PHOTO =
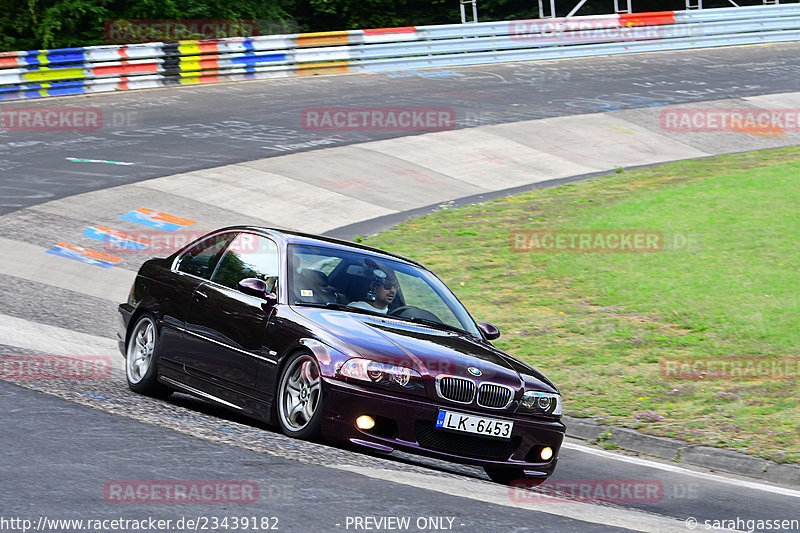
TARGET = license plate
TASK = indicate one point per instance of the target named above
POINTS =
(480, 425)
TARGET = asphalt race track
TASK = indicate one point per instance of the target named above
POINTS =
(66, 440)
(167, 131)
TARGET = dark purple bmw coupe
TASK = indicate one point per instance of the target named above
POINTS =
(339, 340)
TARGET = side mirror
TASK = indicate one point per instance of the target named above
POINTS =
(490, 331)
(258, 288)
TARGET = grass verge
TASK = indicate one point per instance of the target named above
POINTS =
(618, 331)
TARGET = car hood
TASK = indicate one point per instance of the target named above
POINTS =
(429, 351)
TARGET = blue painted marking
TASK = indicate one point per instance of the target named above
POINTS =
(96, 396)
(238, 430)
(34, 94)
(60, 251)
(50, 67)
(145, 220)
(17, 92)
(58, 91)
(66, 55)
(256, 59)
(116, 240)
(49, 86)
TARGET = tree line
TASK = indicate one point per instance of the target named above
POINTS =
(39, 24)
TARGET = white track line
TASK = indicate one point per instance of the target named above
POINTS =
(53, 340)
(485, 491)
(30, 262)
(680, 470)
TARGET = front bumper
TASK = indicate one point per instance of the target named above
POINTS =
(408, 424)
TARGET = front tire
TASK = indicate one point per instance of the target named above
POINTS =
(141, 359)
(300, 398)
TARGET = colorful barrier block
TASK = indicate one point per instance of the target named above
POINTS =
(652, 18)
(323, 38)
(93, 69)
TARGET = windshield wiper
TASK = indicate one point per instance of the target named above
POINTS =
(434, 324)
(336, 305)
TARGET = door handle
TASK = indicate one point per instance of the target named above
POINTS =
(200, 294)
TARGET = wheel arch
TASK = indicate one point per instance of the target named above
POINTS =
(138, 312)
(327, 356)
(312, 430)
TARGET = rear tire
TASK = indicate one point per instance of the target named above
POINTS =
(141, 359)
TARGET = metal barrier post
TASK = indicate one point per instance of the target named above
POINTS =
(627, 8)
(474, 10)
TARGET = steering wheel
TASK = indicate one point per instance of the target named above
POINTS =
(411, 311)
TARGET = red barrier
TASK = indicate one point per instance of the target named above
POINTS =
(385, 31)
(125, 67)
(653, 18)
(8, 59)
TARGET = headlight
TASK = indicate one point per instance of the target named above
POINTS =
(376, 372)
(542, 402)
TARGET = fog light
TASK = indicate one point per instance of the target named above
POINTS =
(546, 453)
(365, 422)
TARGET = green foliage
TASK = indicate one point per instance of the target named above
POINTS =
(37, 24)
(605, 327)
(319, 15)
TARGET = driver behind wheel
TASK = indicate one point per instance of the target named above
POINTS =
(381, 293)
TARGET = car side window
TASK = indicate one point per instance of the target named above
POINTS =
(202, 258)
(249, 256)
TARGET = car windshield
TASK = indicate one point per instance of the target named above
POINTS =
(366, 283)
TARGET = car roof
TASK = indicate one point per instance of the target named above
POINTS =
(296, 237)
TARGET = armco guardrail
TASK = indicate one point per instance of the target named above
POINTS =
(92, 69)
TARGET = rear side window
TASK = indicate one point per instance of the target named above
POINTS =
(202, 258)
